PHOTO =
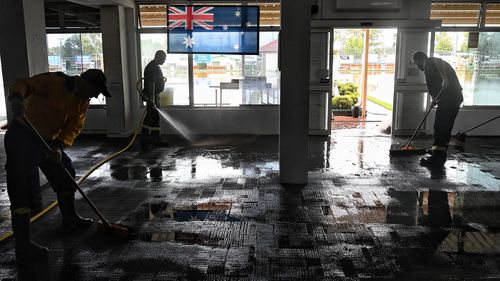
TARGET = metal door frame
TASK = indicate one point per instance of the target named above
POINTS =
(324, 87)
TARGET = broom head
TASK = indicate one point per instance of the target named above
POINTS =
(114, 229)
(405, 150)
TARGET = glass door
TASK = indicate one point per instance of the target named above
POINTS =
(320, 82)
(363, 71)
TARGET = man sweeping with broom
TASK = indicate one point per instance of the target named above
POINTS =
(441, 80)
(56, 104)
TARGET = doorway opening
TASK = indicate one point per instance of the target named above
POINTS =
(363, 77)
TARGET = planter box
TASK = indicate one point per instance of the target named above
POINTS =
(341, 112)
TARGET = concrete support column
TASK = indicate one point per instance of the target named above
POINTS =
(295, 37)
(134, 73)
(114, 28)
(23, 42)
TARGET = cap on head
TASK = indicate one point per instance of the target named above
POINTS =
(419, 57)
(97, 78)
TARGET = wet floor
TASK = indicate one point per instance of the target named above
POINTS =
(215, 210)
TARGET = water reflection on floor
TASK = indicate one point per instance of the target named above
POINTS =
(215, 210)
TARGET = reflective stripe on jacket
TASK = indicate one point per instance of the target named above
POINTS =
(52, 105)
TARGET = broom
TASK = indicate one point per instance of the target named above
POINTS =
(460, 137)
(408, 149)
(104, 224)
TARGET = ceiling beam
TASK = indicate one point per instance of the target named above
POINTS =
(99, 3)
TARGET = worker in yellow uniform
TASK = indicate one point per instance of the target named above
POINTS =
(56, 104)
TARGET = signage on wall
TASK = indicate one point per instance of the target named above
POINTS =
(213, 29)
(202, 58)
(54, 60)
(83, 59)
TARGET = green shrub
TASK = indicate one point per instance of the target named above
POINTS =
(354, 97)
(349, 95)
(342, 102)
(347, 88)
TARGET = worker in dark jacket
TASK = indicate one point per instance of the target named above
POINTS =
(154, 83)
(441, 80)
(56, 105)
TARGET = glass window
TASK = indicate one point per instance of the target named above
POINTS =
(213, 75)
(492, 15)
(381, 65)
(175, 69)
(218, 79)
(262, 73)
(73, 53)
(456, 14)
(233, 80)
(152, 16)
(477, 69)
(347, 56)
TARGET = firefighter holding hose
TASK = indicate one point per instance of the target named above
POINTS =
(154, 83)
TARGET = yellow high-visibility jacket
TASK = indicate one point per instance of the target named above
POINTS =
(53, 106)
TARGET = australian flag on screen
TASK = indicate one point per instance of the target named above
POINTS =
(213, 29)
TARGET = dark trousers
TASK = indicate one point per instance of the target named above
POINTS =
(25, 154)
(443, 124)
(151, 125)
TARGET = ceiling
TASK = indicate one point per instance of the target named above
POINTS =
(64, 15)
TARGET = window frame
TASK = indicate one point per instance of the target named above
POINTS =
(479, 28)
(432, 47)
(158, 30)
(480, 17)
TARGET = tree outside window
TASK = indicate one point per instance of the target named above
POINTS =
(75, 53)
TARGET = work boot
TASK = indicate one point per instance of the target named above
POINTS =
(159, 143)
(25, 248)
(146, 143)
(71, 219)
(436, 160)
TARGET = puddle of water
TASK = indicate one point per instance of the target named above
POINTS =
(196, 215)
(161, 209)
(181, 237)
(471, 241)
(129, 173)
(475, 174)
(216, 211)
(156, 174)
(462, 210)
(201, 212)
(130, 169)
